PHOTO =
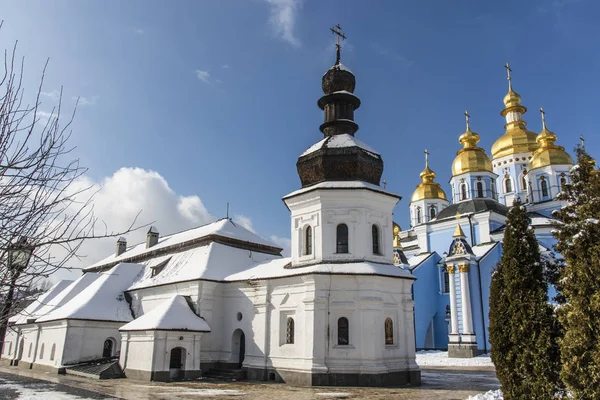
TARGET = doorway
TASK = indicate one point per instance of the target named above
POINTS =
(177, 363)
(238, 347)
(107, 350)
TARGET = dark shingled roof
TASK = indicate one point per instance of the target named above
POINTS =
(473, 206)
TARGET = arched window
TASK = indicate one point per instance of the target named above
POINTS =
(29, 351)
(523, 182)
(544, 186)
(289, 331)
(343, 334)
(432, 212)
(563, 182)
(493, 186)
(375, 238)
(479, 186)
(107, 349)
(52, 351)
(463, 191)
(508, 185)
(42, 352)
(308, 241)
(389, 331)
(342, 238)
(419, 217)
(446, 288)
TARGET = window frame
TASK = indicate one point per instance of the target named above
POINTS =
(376, 239)
(388, 322)
(340, 245)
(339, 331)
(290, 330)
(308, 240)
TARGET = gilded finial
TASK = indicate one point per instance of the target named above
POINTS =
(458, 232)
(467, 117)
(543, 118)
(457, 216)
(426, 158)
(582, 141)
(508, 71)
(337, 30)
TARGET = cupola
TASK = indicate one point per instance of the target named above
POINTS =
(471, 158)
(428, 189)
(548, 153)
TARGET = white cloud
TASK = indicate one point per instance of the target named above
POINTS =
(85, 101)
(226, 66)
(204, 76)
(53, 95)
(284, 243)
(139, 31)
(244, 221)
(283, 19)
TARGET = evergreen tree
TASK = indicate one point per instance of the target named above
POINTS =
(578, 237)
(521, 320)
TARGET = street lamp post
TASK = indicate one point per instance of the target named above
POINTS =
(18, 256)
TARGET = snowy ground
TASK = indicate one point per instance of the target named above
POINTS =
(30, 389)
(491, 395)
(436, 358)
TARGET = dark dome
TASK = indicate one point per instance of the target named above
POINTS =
(337, 78)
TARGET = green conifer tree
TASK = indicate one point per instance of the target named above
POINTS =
(578, 237)
(521, 320)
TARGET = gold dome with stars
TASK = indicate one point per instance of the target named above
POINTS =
(428, 189)
(548, 153)
(471, 158)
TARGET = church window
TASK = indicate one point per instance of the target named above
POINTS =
(432, 212)
(52, 351)
(563, 182)
(523, 182)
(446, 287)
(342, 238)
(389, 331)
(42, 352)
(343, 334)
(107, 350)
(375, 239)
(157, 269)
(493, 186)
(463, 191)
(29, 351)
(544, 186)
(419, 218)
(479, 186)
(289, 331)
(308, 241)
(508, 185)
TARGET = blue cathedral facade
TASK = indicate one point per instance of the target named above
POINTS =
(455, 242)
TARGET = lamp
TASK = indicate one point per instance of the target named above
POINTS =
(19, 255)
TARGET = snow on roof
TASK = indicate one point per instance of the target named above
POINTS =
(276, 269)
(103, 299)
(31, 310)
(339, 66)
(340, 141)
(174, 314)
(67, 294)
(481, 250)
(418, 259)
(223, 227)
(214, 261)
(342, 185)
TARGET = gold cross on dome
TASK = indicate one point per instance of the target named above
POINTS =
(508, 70)
(337, 30)
(467, 119)
(426, 158)
(582, 140)
(543, 117)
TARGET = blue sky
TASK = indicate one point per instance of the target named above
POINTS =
(219, 97)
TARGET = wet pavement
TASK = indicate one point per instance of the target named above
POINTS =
(438, 384)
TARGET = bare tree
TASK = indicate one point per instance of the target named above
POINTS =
(45, 212)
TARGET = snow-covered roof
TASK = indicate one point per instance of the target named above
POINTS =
(31, 311)
(174, 314)
(103, 299)
(339, 66)
(418, 259)
(342, 185)
(481, 250)
(340, 141)
(223, 227)
(277, 269)
(214, 261)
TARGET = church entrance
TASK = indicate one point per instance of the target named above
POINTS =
(107, 350)
(238, 347)
(177, 363)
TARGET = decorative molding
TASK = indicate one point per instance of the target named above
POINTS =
(450, 269)
(463, 268)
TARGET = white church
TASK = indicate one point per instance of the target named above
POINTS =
(219, 299)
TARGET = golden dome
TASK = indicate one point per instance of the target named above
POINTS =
(471, 158)
(548, 153)
(428, 189)
(516, 138)
(396, 231)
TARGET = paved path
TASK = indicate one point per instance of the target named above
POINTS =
(438, 384)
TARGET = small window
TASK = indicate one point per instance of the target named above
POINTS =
(343, 336)
(493, 186)
(389, 331)
(479, 187)
(524, 182)
(42, 352)
(563, 182)
(308, 241)
(29, 351)
(432, 213)
(342, 238)
(158, 268)
(52, 352)
(463, 191)
(419, 218)
(544, 186)
(289, 331)
(446, 288)
(375, 239)
(107, 350)
(508, 185)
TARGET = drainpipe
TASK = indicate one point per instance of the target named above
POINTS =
(471, 230)
(481, 305)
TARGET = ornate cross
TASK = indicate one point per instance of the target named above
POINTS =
(582, 140)
(543, 118)
(467, 117)
(508, 70)
(426, 158)
(384, 183)
(337, 30)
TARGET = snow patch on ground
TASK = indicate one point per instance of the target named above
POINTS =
(211, 392)
(491, 395)
(437, 358)
(25, 393)
(334, 395)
